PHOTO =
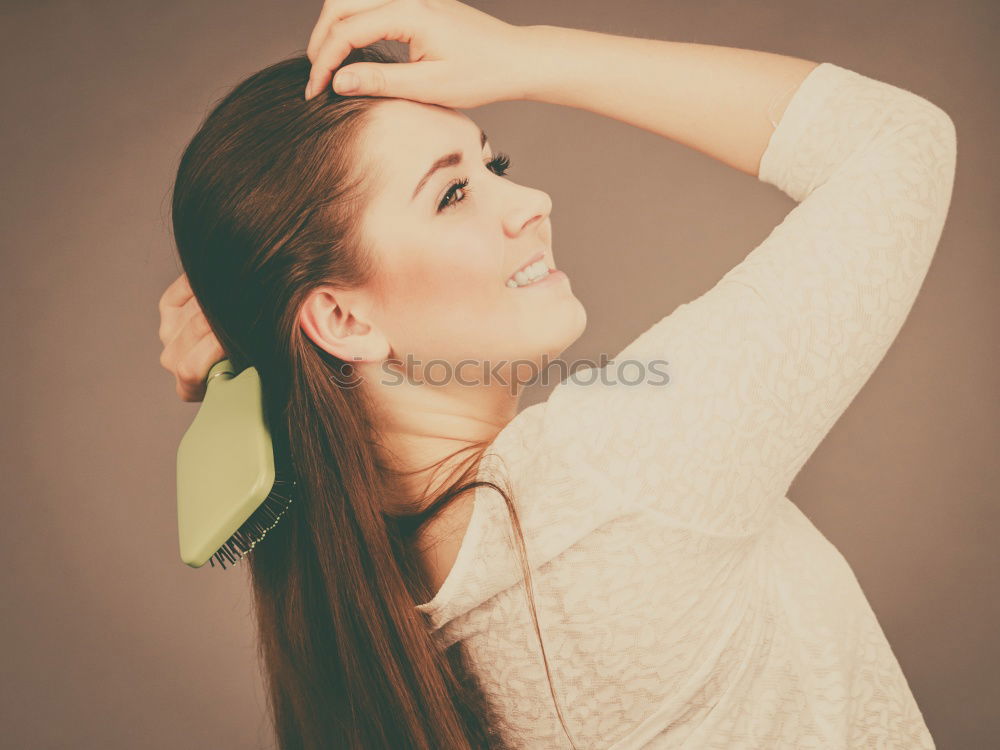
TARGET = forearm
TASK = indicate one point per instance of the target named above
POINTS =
(717, 100)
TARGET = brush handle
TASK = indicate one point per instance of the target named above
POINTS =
(224, 368)
(225, 463)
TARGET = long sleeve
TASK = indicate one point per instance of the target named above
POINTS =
(763, 364)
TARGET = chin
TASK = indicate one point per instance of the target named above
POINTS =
(580, 322)
(571, 332)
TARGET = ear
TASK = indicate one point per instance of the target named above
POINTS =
(336, 320)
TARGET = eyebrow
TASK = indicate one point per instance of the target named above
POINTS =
(448, 160)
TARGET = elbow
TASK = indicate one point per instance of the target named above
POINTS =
(932, 148)
(945, 137)
(938, 132)
(945, 145)
(934, 161)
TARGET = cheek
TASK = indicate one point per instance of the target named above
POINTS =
(448, 284)
(441, 309)
(462, 271)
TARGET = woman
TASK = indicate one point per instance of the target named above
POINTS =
(684, 600)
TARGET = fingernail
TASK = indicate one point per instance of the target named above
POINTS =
(346, 82)
(309, 89)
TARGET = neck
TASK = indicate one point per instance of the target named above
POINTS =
(431, 433)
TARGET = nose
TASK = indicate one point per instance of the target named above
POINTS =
(531, 207)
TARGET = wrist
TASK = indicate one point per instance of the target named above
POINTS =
(561, 65)
(532, 62)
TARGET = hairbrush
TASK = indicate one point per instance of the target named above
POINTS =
(228, 493)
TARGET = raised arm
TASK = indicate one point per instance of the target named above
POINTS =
(721, 101)
(763, 364)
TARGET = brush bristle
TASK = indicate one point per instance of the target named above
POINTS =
(262, 520)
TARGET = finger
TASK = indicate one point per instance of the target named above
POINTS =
(177, 293)
(321, 28)
(173, 319)
(207, 353)
(193, 369)
(185, 393)
(389, 21)
(211, 352)
(417, 81)
(190, 391)
(186, 339)
(333, 11)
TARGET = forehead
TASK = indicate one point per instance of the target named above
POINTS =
(406, 123)
(403, 138)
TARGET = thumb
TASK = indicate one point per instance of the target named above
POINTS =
(399, 80)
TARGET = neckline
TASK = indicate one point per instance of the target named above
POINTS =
(477, 524)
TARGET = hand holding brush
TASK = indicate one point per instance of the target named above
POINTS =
(228, 492)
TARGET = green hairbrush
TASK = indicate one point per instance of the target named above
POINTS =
(228, 495)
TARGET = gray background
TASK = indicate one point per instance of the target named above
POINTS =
(111, 642)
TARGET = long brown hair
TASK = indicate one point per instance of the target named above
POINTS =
(266, 207)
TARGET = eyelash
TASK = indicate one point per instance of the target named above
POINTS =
(498, 164)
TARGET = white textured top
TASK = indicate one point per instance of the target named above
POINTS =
(683, 600)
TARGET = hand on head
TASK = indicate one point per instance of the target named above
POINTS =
(460, 57)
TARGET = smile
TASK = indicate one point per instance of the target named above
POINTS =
(530, 274)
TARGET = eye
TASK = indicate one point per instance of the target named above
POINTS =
(499, 165)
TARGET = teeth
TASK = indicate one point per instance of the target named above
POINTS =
(534, 272)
